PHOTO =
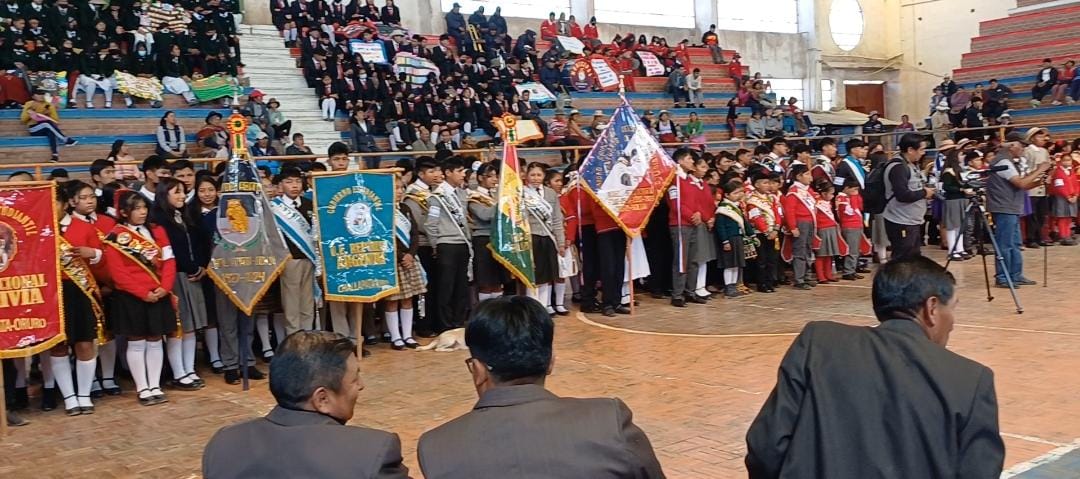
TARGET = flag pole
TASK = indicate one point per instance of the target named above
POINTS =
(3, 408)
(622, 89)
(630, 270)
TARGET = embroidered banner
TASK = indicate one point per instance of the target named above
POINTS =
(416, 69)
(355, 217)
(31, 318)
(627, 171)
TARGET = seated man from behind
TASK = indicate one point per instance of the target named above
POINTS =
(520, 429)
(884, 402)
(315, 378)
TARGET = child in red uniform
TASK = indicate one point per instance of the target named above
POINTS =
(799, 220)
(141, 264)
(849, 207)
(1063, 191)
(828, 231)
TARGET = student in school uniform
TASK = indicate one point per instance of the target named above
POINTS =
(799, 221)
(553, 179)
(952, 215)
(141, 264)
(449, 232)
(581, 229)
(849, 209)
(763, 214)
(548, 235)
(293, 214)
(398, 308)
(418, 199)
(489, 275)
(830, 244)
(731, 230)
(343, 315)
(1064, 188)
(684, 217)
(705, 201)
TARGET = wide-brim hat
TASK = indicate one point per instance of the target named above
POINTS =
(965, 142)
(946, 145)
(1034, 131)
(943, 106)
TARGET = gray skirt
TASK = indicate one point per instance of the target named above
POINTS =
(830, 241)
(877, 231)
(706, 244)
(952, 217)
(192, 302)
(1061, 208)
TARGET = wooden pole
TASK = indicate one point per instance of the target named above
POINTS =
(357, 324)
(3, 408)
(630, 270)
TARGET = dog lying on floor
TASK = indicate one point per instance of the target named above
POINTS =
(449, 340)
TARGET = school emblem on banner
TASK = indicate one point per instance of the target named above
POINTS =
(355, 214)
(627, 171)
(31, 318)
(249, 251)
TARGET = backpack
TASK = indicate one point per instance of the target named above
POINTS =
(874, 199)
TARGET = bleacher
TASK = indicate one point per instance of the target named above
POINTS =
(1012, 48)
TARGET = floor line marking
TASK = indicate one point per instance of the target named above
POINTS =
(581, 317)
(1017, 330)
(1047, 458)
(1034, 439)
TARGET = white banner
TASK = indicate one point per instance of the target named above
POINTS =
(605, 76)
(537, 92)
(571, 44)
(371, 52)
(653, 67)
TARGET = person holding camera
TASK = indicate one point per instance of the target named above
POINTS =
(1005, 190)
(906, 194)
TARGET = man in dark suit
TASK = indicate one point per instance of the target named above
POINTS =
(315, 380)
(885, 402)
(520, 429)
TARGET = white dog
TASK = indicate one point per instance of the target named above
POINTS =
(449, 340)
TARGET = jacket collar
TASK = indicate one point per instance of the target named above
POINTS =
(295, 417)
(905, 326)
(513, 395)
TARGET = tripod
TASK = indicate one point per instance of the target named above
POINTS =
(982, 228)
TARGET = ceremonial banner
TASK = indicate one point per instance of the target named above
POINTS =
(372, 52)
(249, 251)
(537, 92)
(627, 171)
(511, 240)
(605, 75)
(653, 67)
(355, 216)
(571, 44)
(139, 87)
(416, 69)
(55, 85)
(213, 87)
(524, 130)
(31, 317)
(581, 75)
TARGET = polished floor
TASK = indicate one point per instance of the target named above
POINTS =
(694, 378)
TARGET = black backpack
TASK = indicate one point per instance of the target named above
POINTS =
(874, 199)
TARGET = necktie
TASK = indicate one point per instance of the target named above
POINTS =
(296, 203)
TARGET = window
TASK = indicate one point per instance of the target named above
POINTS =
(786, 88)
(826, 95)
(846, 23)
(513, 8)
(780, 16)
(674, 13)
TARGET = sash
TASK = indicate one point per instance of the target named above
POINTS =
(419, 194)
(857, 168)
(734, 213)
(540, 209)
(765, 208)
(76, 269)
(296, 229)
(145, 253)
(825, 207)
(402, 228)
(459, 224)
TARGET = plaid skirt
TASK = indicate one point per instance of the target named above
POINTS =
(411, 281)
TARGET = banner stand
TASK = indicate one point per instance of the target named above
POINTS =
(3, 410)
(630, 272)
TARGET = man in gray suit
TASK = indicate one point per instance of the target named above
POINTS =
(884, 402)
(315, 378)
(518, 428)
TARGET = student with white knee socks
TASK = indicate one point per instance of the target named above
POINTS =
(548, 232)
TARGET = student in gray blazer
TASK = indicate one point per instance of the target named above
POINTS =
(518, 428)
(315, 380)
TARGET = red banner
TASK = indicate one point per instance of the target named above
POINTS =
(31, 313)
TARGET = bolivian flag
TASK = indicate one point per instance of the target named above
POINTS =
(511, 240)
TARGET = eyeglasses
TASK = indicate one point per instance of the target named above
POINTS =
(469, 364)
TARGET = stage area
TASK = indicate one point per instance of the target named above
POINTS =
(694, 378)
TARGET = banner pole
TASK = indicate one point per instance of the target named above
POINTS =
(242, 319)
(357, 324)
(630, 271)
(3, 409)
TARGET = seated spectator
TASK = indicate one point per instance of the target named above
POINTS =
(497, 22)
(774, 123)
(42, 119)
(1045, 80)
(891, 398)
(280, 125)
(873, 123)
(551, 77)
(996, 99)
(755, 127)
(676, 86)
(262, 147)
(455, 25)
(558, 134)
(97, 69)
(315, 379)
(1061, 88)
(549, 28)
(298, 147)
(667, 131)
(446, 142)
(598, 125)
(712, 41)
(328, 97)
(121, 156)
(574, 131)
(212, 128)
(590, 36)
(389, 14)
(423, 140)
(694, 84)
(176, 76)
(170, 138)
(510, 343)
(362, 133)
(694, 131)
(905, 124)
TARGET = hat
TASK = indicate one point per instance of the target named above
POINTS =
(1005, 116)
(560, 111)
(457, 5)
(598, 113)
(965, 142)
(262, 136)
(1016, 137)
(648, 112)
(575, 112)
(874, 112)
(946, 145)
(1034, 131)
(256, 94)
(942, 106)
(273, 101)
(397, 33)
(662, 112)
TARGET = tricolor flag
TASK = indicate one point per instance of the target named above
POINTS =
(415, 68)
(213, 87)
(627, 171)
(511, 240)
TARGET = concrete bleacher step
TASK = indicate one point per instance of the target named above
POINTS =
(1057, 47)
(113, 122)
(1044, 34)
(1031, 21)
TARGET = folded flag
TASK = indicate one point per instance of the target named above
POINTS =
(213, 87)
(416, 69)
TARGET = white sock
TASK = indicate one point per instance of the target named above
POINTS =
(48, 380)
(544, 295)
(406, 316)
(155, 359)
(262, 327)
(174, 347)
(625, 298)
(560, 294)
(702, 275)
(107, 358)
(84, 377)
(393, 324)
(482, 296)
(20, 372)
(61, 368)
(136, 359)
(533, 293)
(731, 276)
(211, 336)
(189, 353)
(950, 240)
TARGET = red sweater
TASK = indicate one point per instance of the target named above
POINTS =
(132, 278)
(681, 211)
(1064, 182)
(590, 32)
(548, 30)
(81, 233)
(825, 216)
(795, 210)
(850, 210)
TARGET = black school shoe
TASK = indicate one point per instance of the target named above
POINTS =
(232, 376)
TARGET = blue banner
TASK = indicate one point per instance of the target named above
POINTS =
(354, 213)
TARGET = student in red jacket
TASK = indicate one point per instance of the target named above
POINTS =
(684, 217)
(800, 223)
(549, 28)
(590, 33)
(705, 201)
(1064, 189)
(141, 264)
(849, 208)
(831, 244)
